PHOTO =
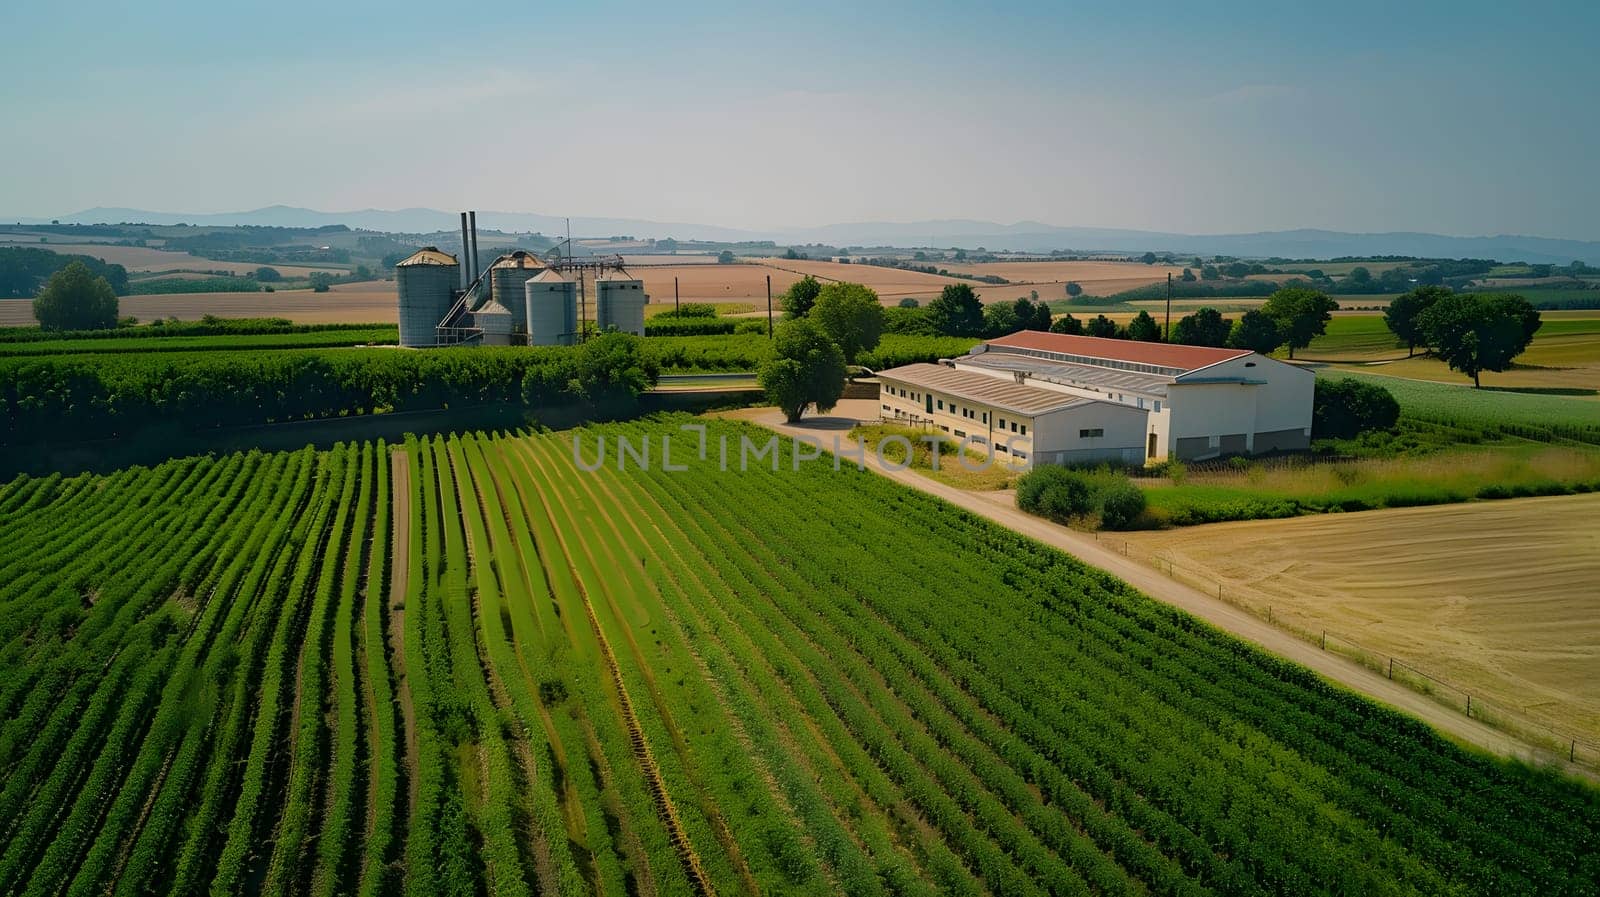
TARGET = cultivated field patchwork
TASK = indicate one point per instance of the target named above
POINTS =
(471, 666)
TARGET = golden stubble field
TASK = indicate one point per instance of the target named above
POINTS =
(144, 259)
(370, 302)
(1501, 598)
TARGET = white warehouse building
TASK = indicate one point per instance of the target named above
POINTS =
(1053, 398)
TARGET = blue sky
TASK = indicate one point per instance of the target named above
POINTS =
(1462, 118)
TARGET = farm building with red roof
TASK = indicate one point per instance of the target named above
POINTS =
(1054, 398)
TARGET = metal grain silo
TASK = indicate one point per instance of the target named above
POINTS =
(506, 277)
(551, 309)
(427, 282)
(619, 302)
(495, 320)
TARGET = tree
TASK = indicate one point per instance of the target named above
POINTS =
(1346, 407)
(1475, 333)
(851, 315)
(1073, 290)
(1206, 327)
(1255, 331)
(725, 257)
(1031, 314)
(1148, 258)
(76, 299)
(1188, 276)
(1000, 319)
(1209, 272)
(1144, 328)
(1405, 311)
(1236, 270)
(800, 296)
(1301, 313)
(957, 311)
(1102, 326)
(909, 302)
(320, 281)
(807, 369)
(268, 275)
(1067, 324)
(1359, 280)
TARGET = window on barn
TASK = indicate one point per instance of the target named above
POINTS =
(1092, 433)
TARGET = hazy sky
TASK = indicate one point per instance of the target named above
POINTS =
(1461, 118)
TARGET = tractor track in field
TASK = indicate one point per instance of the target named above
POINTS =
(763, 769)
(543, 866)
(632, 846)
(399, 585)
(668, 811)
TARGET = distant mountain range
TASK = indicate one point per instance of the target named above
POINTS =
(1025, 236)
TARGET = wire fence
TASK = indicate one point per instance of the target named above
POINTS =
(1576, 749)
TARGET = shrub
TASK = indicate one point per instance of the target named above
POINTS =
(1345, 408)
(691, 310)
(1055, 492)
(1121, 505)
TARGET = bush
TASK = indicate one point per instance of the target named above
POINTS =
(1121, 505)
(1345, 408)
(1057, 493)
(691, 310)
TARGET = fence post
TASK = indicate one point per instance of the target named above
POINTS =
(1572, 752)
(1391, 668)
(1324, 644)
(1469, 704)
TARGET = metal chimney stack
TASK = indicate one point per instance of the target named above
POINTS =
(472, 220)
(466, 255)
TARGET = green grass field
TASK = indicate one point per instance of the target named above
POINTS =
(1484, 410)
(499, 674)
(1293, 486)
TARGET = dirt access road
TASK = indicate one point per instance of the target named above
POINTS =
(1146, 579)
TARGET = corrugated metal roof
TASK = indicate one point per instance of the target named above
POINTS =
(519, 259)
(1086, 376)
(427, 255)
(1186, 358)
(999, 392)
(548, 275)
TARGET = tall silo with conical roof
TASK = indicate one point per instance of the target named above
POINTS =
(619, 302)
(551, 309)
(506, 277)
(426, 281)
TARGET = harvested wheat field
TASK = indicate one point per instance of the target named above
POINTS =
(711, 283)
(371, 302)
(892, 284)
(143, 258)
(1096, 278)
(1501, 598)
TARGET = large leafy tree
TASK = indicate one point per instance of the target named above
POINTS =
(1000, 319)
(76, 299)
(807, 368)
(800, 296)
(1102, 326)
(1477, 333)
(957, 311)
(1067, 324)
(1144, 328)
(851, 315)
(1403, 316)
(1301, 313)
(1206, 327)
(1256, 332)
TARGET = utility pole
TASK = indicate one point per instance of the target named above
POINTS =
(674, 297)
(1168, 337)
(769, 306)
